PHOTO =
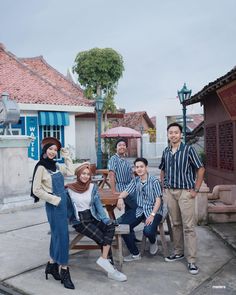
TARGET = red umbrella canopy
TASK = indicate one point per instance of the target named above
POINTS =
(121, 132)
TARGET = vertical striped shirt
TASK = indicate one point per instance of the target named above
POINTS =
(123, 171)
(180, 168)
(147, 193)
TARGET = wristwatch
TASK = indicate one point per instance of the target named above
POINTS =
(153, 214)
(196, 190)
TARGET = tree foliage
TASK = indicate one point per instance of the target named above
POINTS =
(99, 69)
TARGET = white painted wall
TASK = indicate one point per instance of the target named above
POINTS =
(149, 148)
(70, 135)
(85, 139)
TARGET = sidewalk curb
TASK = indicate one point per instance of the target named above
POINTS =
(10, 290)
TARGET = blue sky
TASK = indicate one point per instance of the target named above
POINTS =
(163, 43)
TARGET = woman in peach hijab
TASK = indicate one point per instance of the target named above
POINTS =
(89, 218)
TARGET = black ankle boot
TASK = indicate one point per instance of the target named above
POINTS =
(66, 279)
(53, 269)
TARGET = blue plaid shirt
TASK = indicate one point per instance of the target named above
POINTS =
(147, 193)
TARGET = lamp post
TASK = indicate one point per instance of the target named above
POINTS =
(141, 142)
(184, 94)
(98, 108)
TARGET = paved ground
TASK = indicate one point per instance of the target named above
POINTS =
(24, 252)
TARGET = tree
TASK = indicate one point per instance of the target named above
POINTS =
(99, 69)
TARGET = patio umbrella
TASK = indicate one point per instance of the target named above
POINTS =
(121, 132)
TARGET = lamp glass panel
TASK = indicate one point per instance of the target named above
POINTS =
(99, 104)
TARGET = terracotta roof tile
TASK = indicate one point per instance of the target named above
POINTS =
(133, 120)
(26, 85)
(39, 65)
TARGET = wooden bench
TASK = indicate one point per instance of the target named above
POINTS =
(122, 229)
(161, 231)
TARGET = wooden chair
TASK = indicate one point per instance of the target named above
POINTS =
(93, 168)
(161, 231)
(90, 245)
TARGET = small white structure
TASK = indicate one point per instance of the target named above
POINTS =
(14, 178)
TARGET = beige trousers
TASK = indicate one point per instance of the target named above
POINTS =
(181, 209)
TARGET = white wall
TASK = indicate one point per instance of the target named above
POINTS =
(70, 136)
(85, 139)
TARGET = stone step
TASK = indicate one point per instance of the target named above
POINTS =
(219, 212)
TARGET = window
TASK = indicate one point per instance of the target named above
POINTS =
(211, 146)
(53, 131)
(226, 144)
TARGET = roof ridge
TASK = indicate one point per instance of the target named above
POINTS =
(212, 86)
(136, 112)
(40, 57)
(39, 76)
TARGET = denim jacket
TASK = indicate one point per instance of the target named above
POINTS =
(96, 209)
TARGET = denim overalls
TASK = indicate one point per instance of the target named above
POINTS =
(57, 218)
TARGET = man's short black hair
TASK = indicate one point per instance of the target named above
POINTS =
(121, 140)
(175, 124)
(144, 160)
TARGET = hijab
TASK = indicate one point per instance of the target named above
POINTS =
(79, 186)
(49, 164)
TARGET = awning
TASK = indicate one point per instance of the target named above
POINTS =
(53, 118)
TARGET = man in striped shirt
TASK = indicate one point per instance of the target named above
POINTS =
(121, 173)
(181, 175)
(149, 209)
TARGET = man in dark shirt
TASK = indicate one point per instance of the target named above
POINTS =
(181, 176)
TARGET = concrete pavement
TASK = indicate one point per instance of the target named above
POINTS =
(24, 244)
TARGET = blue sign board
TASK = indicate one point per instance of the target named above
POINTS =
(32, 130)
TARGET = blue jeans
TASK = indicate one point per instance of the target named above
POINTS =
(129, 217)
(130, 202)
(57, 218)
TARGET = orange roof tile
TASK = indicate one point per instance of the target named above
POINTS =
(39, 65)
(26, 85)
(133, 120)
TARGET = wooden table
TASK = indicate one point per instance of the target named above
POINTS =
(104, 180)
(109, 200)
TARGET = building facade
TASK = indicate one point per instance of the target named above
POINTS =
(49, 103)
(219, 101)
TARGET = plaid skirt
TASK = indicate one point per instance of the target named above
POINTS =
(96, 230)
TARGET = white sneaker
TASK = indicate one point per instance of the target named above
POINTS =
(132, 257)
(153, 248)
(117, 276)
(105, 264)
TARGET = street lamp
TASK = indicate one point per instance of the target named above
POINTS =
(184, 94)
(141, 142)
(98, 108)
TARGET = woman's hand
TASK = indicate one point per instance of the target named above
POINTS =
(65, 153)
(120, 204)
